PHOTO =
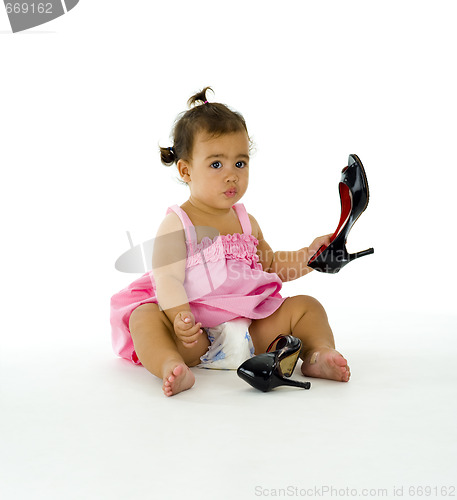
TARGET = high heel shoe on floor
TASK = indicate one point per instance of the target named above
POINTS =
(269, 370)
(354, 196)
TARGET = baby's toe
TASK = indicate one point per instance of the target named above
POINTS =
(339, 360)
(345, 373)
(177, 371)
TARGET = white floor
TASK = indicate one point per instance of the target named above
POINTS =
(93, 426)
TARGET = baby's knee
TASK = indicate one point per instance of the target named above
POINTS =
(312, 302)
(145, 314)
(305, 303)
(302, 306)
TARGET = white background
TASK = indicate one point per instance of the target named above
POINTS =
(86, 99)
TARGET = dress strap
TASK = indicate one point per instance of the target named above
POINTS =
(189, 228)
(244, 218)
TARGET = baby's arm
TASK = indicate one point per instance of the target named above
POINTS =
(169, 267)
(288, 265)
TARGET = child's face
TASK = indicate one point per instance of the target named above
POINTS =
(218, 172)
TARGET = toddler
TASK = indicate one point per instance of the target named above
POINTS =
(211, 264)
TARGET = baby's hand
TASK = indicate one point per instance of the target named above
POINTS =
(185, 328)
(317, 243)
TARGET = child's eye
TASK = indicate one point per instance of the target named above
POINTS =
(216, 164)
(240, 164)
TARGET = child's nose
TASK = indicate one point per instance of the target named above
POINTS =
(232, 176)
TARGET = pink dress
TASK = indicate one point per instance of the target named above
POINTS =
(224, 280)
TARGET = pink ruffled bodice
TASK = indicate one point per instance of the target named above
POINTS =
(240, 247)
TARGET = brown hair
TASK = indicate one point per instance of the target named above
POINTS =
(211, 117)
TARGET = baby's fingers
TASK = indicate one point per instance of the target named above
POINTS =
(193, 336)
(186, 322)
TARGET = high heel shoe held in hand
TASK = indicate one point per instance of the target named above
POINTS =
(354, 196)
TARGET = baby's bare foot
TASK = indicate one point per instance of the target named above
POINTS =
(177, 379)
(326, 363)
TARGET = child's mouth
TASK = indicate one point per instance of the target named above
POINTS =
(230, 193)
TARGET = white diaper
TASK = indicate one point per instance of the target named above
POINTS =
(231, 345)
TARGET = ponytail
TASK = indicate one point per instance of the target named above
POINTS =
(199, 97)
(168, 156)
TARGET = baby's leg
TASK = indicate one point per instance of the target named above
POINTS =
(305, 318)
(161, 352)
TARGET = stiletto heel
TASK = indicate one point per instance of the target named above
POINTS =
(354, 197)
(354, 256)
(269, 370)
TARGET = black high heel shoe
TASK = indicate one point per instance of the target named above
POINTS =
(269, 370)
(354, 196)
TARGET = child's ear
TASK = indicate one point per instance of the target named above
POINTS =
(184, 170)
